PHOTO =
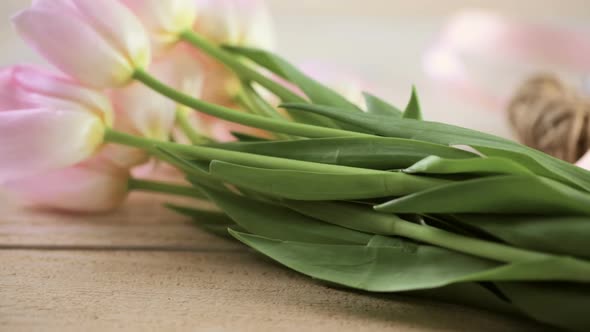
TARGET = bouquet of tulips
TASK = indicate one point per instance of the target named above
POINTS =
(358, 194)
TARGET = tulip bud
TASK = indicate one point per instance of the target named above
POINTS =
(100, 43)
(164, 20)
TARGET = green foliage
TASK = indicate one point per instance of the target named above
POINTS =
(391, 204)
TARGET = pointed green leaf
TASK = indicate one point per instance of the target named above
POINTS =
(321, 186)
(413, 110)
(388, 264)
(278, 222)
(365, 152)
(538, 162)
(497, 194)
(554, 234)
(396, 265)
(201, 215)
(354, 216)
(489, 165)
(378, 106)
(216, 223)
(559, 304)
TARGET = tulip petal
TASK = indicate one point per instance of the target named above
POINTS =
(91, 187)
(219, 20)
(127, 35)
(164, 19)
(259, 30)
(123, 156)
(60, 35)
(9, 95)
(143, 111)
(37, 140)
(32, 86)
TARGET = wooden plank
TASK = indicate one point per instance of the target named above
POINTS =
(194, 291)
(141, 223)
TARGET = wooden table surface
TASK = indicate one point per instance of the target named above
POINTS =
(145, 268)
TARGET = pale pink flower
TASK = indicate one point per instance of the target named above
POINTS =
(92, 186)
(25, 86)
(164, 20)
(47, 121)
(41, 139)
(100, 43)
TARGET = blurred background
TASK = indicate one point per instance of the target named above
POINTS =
(383, 42)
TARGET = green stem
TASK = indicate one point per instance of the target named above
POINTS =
(273, 125)
(242, 158)
(252, 98)
(468, 245)
(165, 188)
(241, 69)
(184, 122)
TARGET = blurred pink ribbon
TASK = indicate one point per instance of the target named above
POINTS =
(500, 41)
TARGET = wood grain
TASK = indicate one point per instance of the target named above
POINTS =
(203, 291)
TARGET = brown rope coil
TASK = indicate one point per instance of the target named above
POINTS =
(550, 116)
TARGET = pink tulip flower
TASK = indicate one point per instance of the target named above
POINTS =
(40, 139)
(92, 186)
(100, 43)
(47, 121)
(24, 86)
(164, 20)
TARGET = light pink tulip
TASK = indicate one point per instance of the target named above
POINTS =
(164, 20)
(100, 43)
(47, 121)
(235, 22)
(37, 140)
(92, 186)
(23, 87)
